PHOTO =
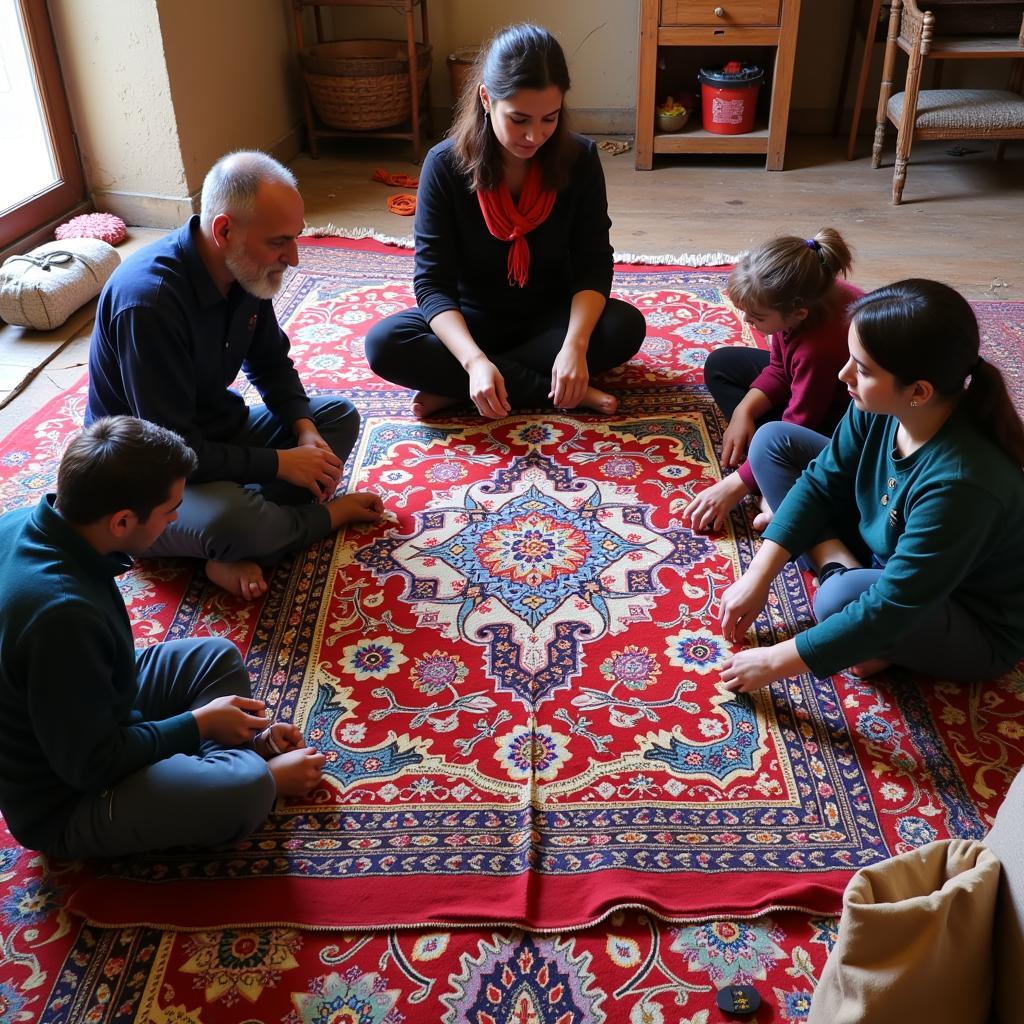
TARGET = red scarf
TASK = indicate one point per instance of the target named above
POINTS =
(511, 222)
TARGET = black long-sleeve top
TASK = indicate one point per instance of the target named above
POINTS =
(460, 265)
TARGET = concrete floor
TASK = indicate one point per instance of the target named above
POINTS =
(962, 221)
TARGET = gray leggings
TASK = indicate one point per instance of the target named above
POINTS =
(218, 795)
(947, 641)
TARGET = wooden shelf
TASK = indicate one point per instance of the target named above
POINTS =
(699, 140)
(769, 25)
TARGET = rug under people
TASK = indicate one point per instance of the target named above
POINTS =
(539, 805)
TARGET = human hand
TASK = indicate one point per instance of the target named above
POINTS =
(487, 388)
(277, 739)
(309, 436)
(570, 376)
(310, 466)
(709, 508)
(750, 670)
(231, 720)
(358, 507)
(741, 604)
(297, 772)
(736, 439)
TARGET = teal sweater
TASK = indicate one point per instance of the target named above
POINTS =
(952, 527)
(67, 677)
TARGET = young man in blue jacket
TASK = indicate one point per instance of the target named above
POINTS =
(107, 750)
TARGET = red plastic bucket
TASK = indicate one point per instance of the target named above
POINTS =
(729, 97)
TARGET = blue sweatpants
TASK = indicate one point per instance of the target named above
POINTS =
(216, 796)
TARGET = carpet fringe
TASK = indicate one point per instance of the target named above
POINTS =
(680, 259)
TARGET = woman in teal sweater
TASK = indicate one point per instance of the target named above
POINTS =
(912, 513)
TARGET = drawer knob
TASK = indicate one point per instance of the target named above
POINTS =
(719, 12)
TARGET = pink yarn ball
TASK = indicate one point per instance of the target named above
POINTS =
(104, 226)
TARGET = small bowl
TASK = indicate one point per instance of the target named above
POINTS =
(671, 122)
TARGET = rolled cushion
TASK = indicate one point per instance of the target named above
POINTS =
(104, 226)
(42, 288)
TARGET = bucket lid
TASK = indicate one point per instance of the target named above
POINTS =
(734, 73)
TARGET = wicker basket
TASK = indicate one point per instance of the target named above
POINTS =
(460, 66)
(362, 84)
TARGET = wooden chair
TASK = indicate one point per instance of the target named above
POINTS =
(969, 30)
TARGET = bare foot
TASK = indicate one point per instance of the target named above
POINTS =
(297, 772)
(277, 739)
(763, 518)
(358, 507)
(869, 668)
(599, 401)
(425, 404)
(239, 579)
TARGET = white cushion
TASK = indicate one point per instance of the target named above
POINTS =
(42, 288)
(990, 110)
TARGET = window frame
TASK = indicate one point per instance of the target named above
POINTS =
(68, 191)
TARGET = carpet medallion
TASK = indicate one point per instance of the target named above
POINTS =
(514, 679)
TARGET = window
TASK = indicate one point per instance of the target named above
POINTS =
(40, 176)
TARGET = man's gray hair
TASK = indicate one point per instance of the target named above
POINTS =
(231, 184)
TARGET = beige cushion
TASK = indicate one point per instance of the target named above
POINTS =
(915, 940)
(1006, 841)
(42, 288)
(988, 110)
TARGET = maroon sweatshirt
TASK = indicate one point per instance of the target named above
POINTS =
(802, 372)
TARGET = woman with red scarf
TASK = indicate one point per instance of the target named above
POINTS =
(513, 261)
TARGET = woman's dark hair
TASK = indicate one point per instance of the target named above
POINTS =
(518, 57)
(120, 462)
(923, 330)
(790, 273)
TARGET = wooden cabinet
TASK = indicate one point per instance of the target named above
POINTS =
(728, 25)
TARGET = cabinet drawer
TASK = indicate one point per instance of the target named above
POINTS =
(733, 12)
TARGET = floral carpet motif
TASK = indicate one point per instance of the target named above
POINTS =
(514, 680)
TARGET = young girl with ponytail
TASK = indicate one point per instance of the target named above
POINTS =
(513, 259)
(912, 512)
(790, 289)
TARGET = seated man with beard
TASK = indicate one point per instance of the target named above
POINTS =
(175, 324)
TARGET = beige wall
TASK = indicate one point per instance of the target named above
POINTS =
(113, 63)
(160, 88)
(600, 41)
(232, 81)
(599, 38)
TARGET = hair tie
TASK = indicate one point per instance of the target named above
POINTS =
(815, 246)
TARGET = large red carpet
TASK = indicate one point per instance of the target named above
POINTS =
(514, 680)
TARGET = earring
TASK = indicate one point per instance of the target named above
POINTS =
(913, 403)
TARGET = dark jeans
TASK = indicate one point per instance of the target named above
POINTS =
(404, 350)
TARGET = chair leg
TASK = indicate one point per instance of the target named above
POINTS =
(876, 147)
(1000, 149)
(899, 179)
(886, 90)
